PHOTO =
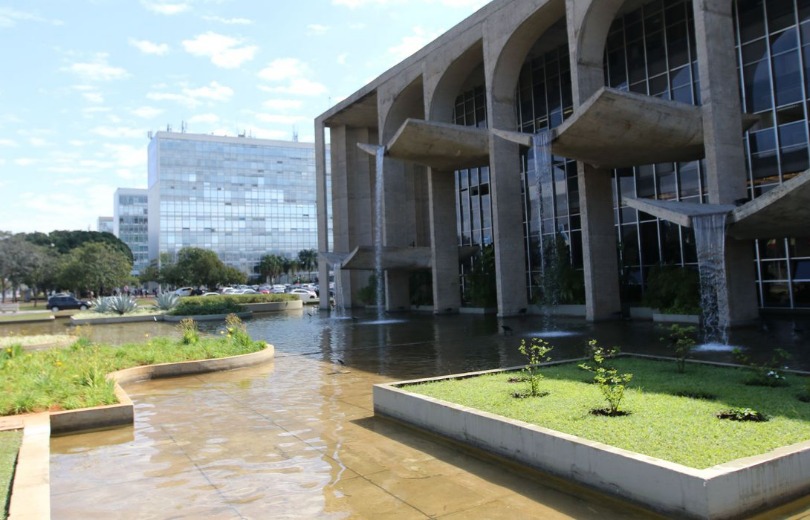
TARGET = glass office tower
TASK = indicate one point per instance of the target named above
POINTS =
(131, 224)
(240, 197)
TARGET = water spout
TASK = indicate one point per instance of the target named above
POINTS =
(379, 192)
(544, 196)
(710, 237)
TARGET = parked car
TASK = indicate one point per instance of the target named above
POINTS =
(304, 294)
(184, 291)
(63, 301)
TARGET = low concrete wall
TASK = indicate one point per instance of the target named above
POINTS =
(724, 491)
(118, 319)
(123, 413)
(206, 317)
(275, 306)
(676, 318)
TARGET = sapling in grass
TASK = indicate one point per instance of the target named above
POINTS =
(611, 383)
(536, 352)
(681, 340)
(769, 373)
(188, 328)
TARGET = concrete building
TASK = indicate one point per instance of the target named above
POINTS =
(131, 224)
(651, 107)
(237, 196)
(104, 225)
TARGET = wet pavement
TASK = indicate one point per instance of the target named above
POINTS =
(297, 438)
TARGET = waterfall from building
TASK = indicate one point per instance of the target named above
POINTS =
(710, 237)
(379, 193)
(340, 307)
(547, 247)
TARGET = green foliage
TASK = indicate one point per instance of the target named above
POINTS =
(101, 305)
(673, 290)
(205, 306)
(10, 442)
(271, 266)
(237, 331)
(94, 266)
(420, 285)
(611, 383)
(122, 304)
(166, 301)
(561, 283)
(769, 373)
(308, 259)
(481, 287)
(742, 414)
(681, 340)
(189, 331)
(66, 241)
(535, 353)
(368, 294)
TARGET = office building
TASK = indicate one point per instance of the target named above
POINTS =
(656, 112)
(104, 225)
(131, 224)
(240, 197)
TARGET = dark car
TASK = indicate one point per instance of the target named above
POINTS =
(57, 303)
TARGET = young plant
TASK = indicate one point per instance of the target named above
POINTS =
(188, 328)
(237, 331)
(122, 304)
(742, 414)
(166, 301)
(769, 373)
(536, 353)
(681, 340)
(101, 305)
(611, 383)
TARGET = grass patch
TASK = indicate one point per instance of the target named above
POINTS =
(660, 423)
(53, 340)
(9, 446)
(75, 377)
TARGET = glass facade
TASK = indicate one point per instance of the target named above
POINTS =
(131, 224)
(240, 197)
(651, 50)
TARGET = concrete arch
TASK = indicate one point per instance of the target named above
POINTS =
(441, 101)
(408, 102)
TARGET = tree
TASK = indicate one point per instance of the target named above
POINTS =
(270, 266)
(66, 241)
(198, 267)
(231, 275)
(18, 258)
(308, 259)
(95, 266)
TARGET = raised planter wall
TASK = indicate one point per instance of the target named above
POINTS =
(725, 491)
(275, 306)
(676, 318)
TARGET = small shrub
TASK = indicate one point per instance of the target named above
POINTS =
(200, 307)
(742, 414)
(101, 305)
(122, 304)
(535, 353)
(611, 383)
(237, 331)
(166, 301)
(189, 331)
(681, 340)
(769, 373)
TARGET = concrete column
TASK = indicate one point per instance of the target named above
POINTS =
(599, 256)
(444, 242)
(507, 226)
(588, 24)
(722, 129)
(399, 228)
(321, 197)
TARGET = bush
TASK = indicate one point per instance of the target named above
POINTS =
(209, 305)
(673, 290)
(611, 383)
(166, 301)
(122, 304)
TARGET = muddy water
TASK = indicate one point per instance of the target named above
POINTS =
(297, 438)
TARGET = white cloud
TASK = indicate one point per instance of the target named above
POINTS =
(118, 132)
(165, 7)
(25, 161)
(315, 28)
(37, 141)
(292, 73)
(204, 118)
(228, 21)
(281, 119)
(147, 112)
(147, 47)
(341, 59)
(97, 70)
(282, 104)
(354, 4)
(93, 97)
(412, 43)
(10, 17)
(194, 97)
(225, 52)
(9, 143)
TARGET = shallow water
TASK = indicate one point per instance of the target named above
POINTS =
(297, 438)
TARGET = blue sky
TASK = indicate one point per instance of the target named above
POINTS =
(83, 81)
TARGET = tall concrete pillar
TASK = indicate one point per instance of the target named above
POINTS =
(444, 241)
(599, 253)
(722, 130)
(400, 228)
(321, 197)
(507, 226)
(599, 238)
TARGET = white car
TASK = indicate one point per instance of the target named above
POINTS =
(304, 294)
(184, 291)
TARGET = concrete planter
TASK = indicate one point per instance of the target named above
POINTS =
(478, 310)
(274, 306)
(206, 317)
(117, 319)
(729, 490)
(676, 318)
(641, 313)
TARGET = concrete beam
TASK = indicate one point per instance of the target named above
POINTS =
(783, 211)
(441, 146)
(677, 212)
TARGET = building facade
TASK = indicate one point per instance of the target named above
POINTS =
(650, 107)
(240, 197)
(131, 224)
(105, 225)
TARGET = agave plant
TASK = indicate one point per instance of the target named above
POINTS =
(101, 305)
(122, 304)
(166, 301)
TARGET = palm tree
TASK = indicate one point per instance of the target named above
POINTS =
(308, 259)
(270, 266)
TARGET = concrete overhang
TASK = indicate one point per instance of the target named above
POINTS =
(363, 258)
(441, 146)
(784, 211)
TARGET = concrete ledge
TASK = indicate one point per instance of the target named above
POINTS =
(729, 490)
(477, 310)
(641, 313)
(275, 306)
(206, 317)
(676, 318)
(117, 319)
(31, 489)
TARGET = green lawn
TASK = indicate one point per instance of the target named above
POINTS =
(9, 446)
(659, 424)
